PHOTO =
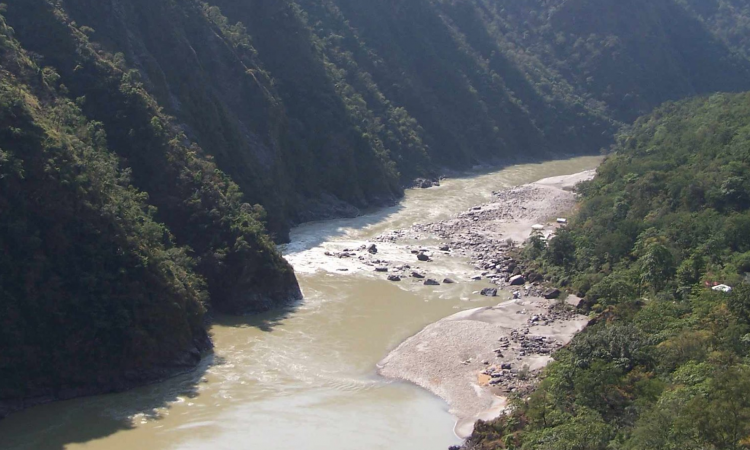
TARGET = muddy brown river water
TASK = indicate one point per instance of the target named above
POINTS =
(305, 377)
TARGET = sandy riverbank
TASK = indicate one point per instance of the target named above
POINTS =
(475, 358)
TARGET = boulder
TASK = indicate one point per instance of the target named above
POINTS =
(372, 249)
(575, 301)
(448, 281)
(431, 282)
(445, 248)
(394, 278)
(534, 277)
(489, 292)
(423, 257)
(551, 293)
(416, 274)
(381, 269)
(426, 183)
(517, 280)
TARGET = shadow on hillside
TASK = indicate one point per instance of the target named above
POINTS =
(57, 425)
(266, 321)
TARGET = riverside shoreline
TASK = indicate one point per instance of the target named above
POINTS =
(476, 359)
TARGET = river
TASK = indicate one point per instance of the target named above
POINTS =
(305, 377)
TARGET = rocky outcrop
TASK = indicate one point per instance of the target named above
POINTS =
(426, 183)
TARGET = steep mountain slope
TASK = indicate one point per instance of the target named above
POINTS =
(201, 206)
(727, 19)
(626, 56)
(94, 294)
(314, 107)
(222, 123)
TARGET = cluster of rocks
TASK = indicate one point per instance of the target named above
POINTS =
(505, 374)
(474, 234)
(396, 273)
(425, 183)
(372, 249)
(508, 377)
(477, 235)
(393, 236)
(537, 345)
(551, 317)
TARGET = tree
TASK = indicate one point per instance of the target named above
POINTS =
(739, 302)
(562, 248)
(657, 266)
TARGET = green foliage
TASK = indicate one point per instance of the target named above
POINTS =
(94, 293)
(160, 144)
(201, 205)
(665, 363)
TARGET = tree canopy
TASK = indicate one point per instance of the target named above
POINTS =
(665, 362)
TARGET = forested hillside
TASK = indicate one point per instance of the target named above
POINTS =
(94, 293)
(315, 108)
(665, 364)
(195, 133)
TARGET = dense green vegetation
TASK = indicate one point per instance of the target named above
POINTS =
(116, 231)
(153, 150)
(666, 362)
(202, 206)
(314, 107)
(94, 293)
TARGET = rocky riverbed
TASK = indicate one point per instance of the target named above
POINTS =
(482, 236)
(475, 359)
